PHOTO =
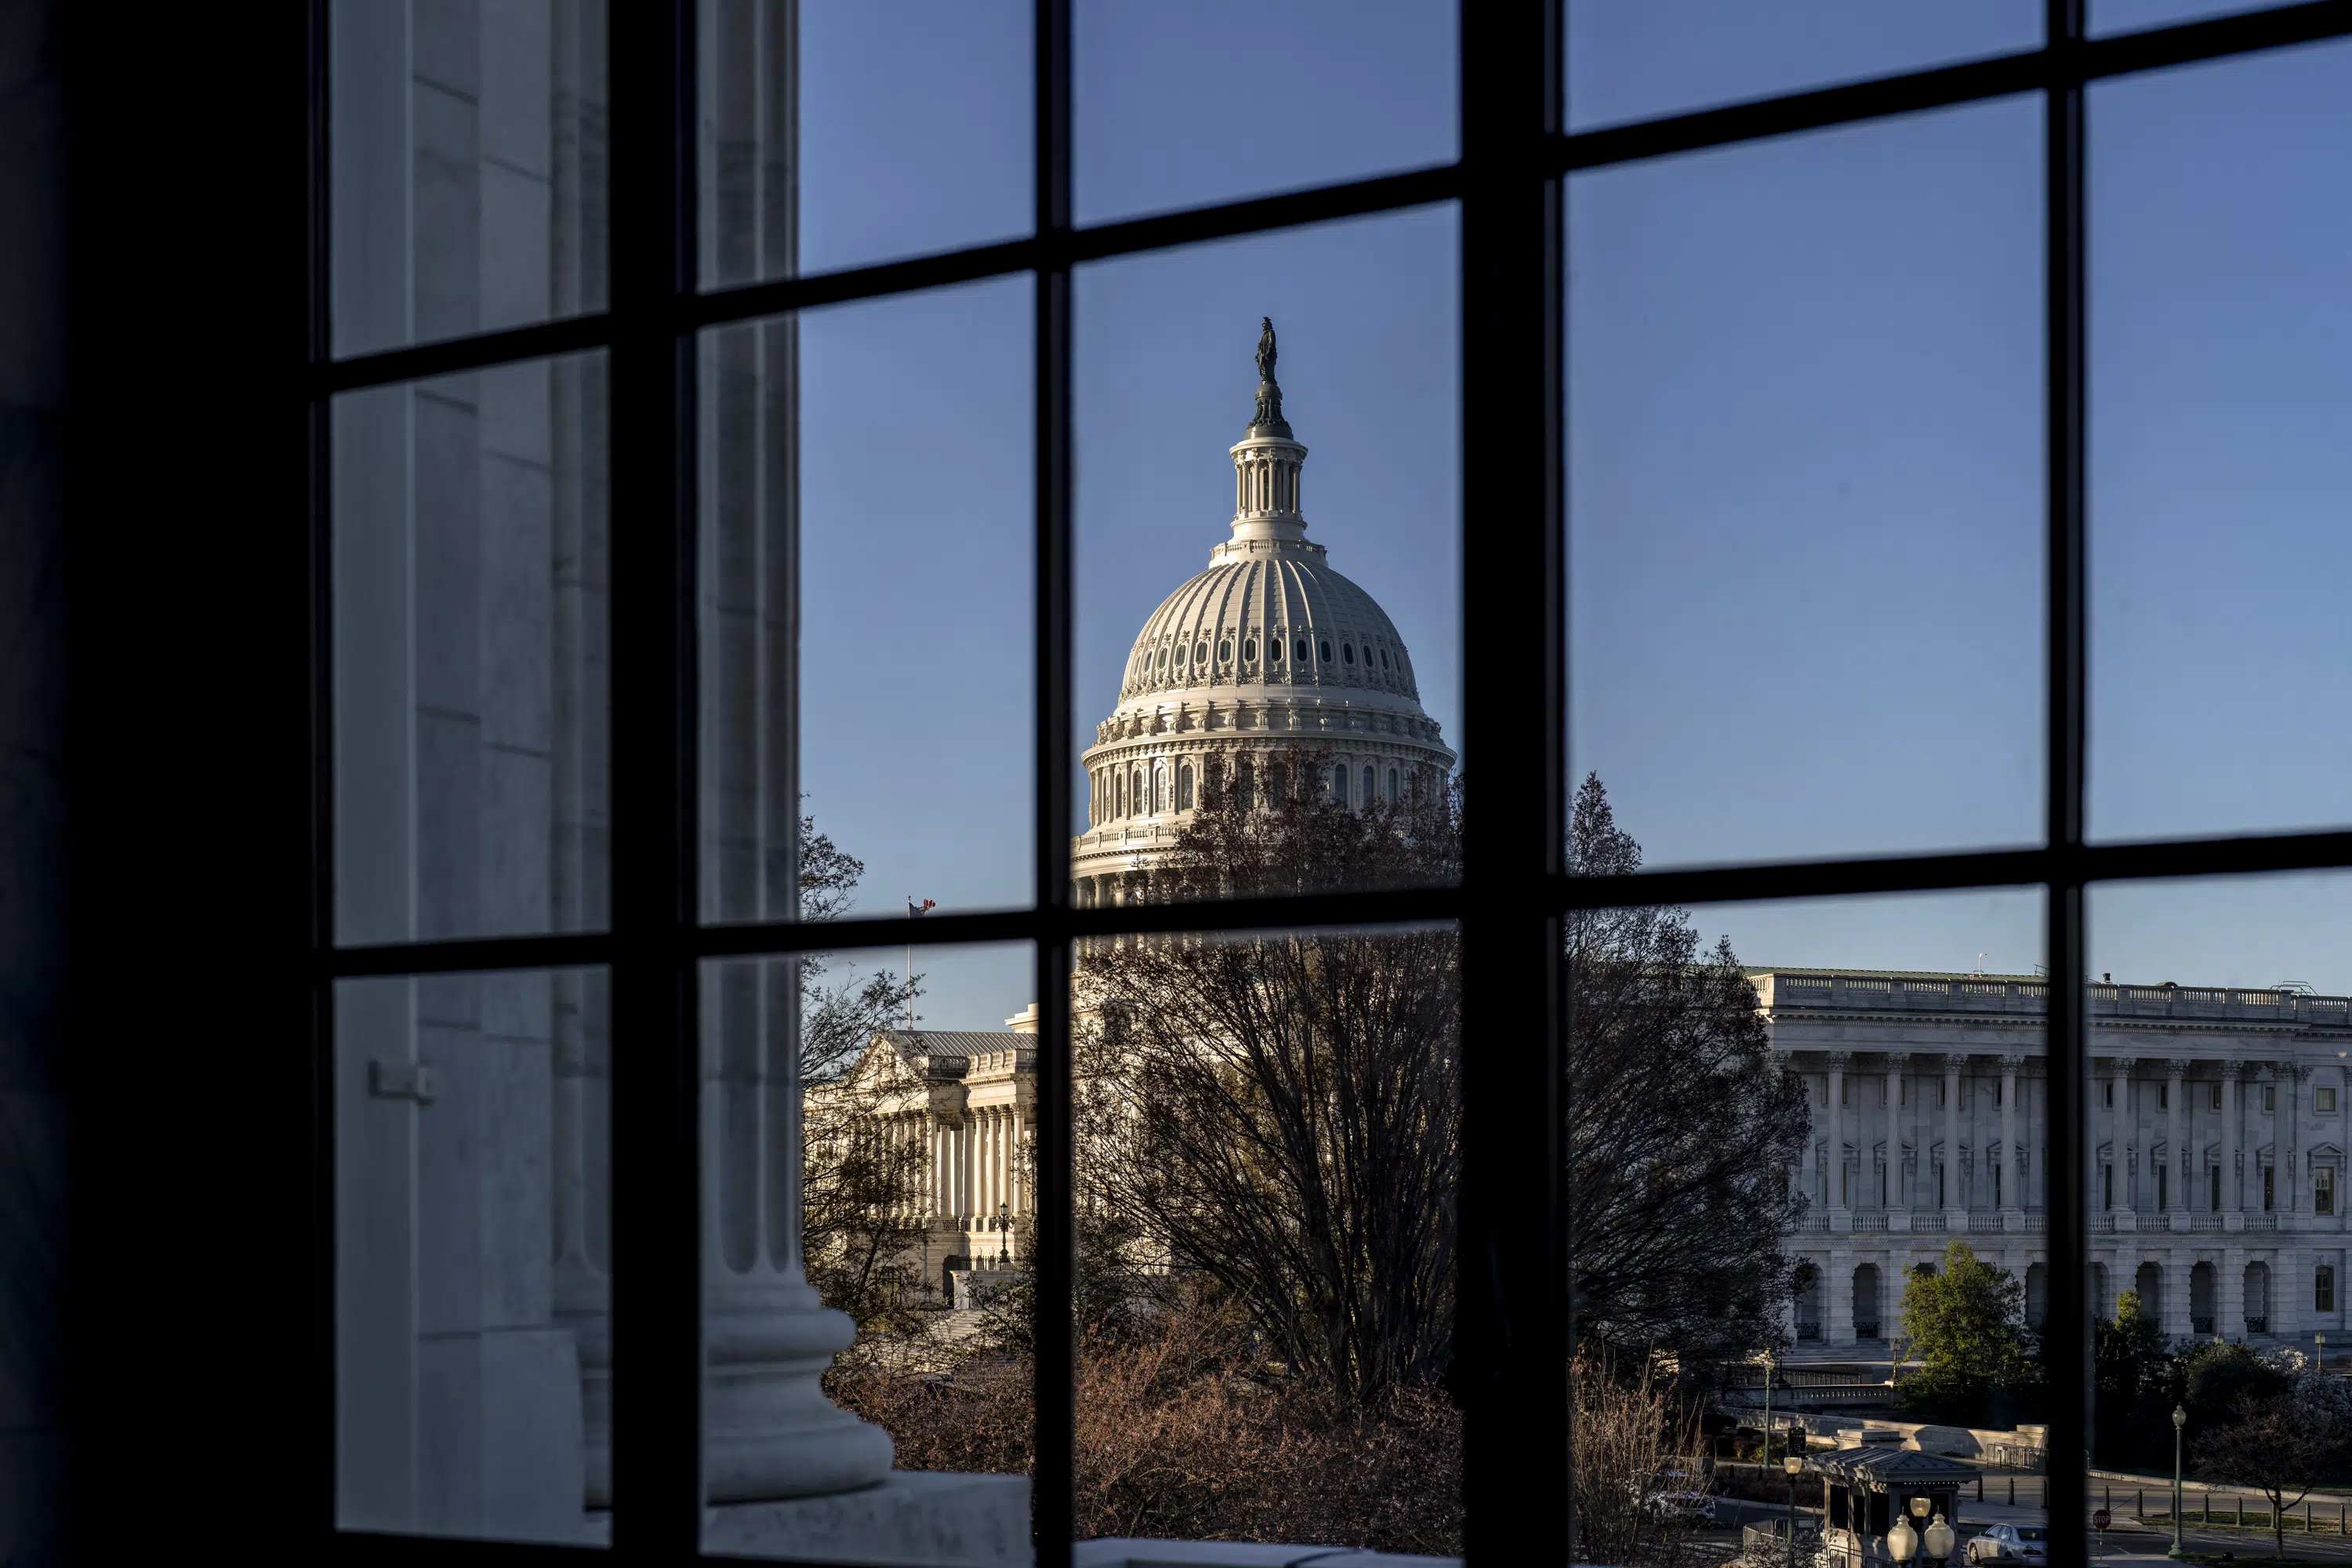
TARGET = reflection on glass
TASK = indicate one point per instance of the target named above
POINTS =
(2131, 16)
(839, 133)
(467, 178)
(866, 606)
(1809, 1163)
(473, 1246)
(2220, 1034)
(869, 1235)
(1268, 704)
(1268, 1142)
(1630, 60)
(1177, 106)
(471, 654)
(2218, 472)
(1805, 490)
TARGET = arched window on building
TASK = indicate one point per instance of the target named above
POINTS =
(1245, 784)
(1212, 778)
(1367, 796)
(1340, 785)
(1142, 794)
(1118, 795)
(1184, 786)
(1274, 650)
(1392, 786)
(2323, 1288)
(1277, 785)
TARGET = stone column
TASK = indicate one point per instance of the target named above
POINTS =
(2232, 1184)
(2176, 1154)
(2174, 1265)
(1837, 1298)
(1956, 1197)
(2012, 1198)
(1835, 1195)
(1898, 1195)
(2290, 1076)
(2119, 1137)
(2229, 1293)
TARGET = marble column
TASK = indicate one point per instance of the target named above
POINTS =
(2176, 1153)
(2229, 1292)
(2011, 1196)
(2290, 1076)
(1899, 1194)
(2232, 1184)
(1835, 1195)
(1956, 1197)
(2119, 1134)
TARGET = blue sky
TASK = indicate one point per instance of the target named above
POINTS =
(1805, 384)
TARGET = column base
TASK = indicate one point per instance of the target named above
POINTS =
(944, 1517)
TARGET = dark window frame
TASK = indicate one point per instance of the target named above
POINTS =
(1507, 186)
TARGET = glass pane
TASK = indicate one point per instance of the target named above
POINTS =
(1273, 1325)
(1807, 1167)
(2218, 473)
(469, 157)
(868, 1130)
(1633, 60)
(2219, 1056)
(473, 1256)
(838, 132)
(865, 543)
(2132, 16)
(471, 654)
(1805, 490)
(1268, 702)
(1178, 106)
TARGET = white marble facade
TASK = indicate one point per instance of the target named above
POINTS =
(2216, 1161)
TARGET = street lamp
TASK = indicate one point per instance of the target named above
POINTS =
(1768, 1404)
(2180, 1420)
(1003, 1225)
(2322, 1337)
(1901, 1541)
(1940, 1540)
(1795, 1467)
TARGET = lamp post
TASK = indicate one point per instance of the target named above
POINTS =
(1768, 1404)
(2322, 1337)
(1003, 1225)
(1795, 1467)
(1901, 1541)
(2180, 1420)
(1939, 1539)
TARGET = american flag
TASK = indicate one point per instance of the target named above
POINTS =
(928, 905)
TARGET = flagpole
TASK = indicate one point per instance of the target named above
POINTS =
(911, 964)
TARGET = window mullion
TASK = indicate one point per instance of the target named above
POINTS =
(657, 1223)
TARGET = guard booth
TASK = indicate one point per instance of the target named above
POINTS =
(1864, 1490)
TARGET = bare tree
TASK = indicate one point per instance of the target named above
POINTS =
(2276, 1444)
(1630, 1431)
(862, 1219)
(1282, 1113)
(1683, 1125)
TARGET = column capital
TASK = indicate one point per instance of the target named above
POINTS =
(2175, 1069)
(2298, 1072)
(1837, 1061)
(2230, 1068)
(2123, 1066)
(2014, 1062)
(1956, 1062)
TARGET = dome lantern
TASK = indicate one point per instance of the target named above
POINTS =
(1266, 461)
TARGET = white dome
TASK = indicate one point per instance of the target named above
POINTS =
(1276, 616)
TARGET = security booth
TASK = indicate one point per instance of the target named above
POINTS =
(1889, 1505)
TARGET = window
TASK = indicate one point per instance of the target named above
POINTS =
(2214, 1192)
(1224, 652)
(2216, 1104)
(2270, 1099)
(2322, 1286)
(2324, 1101)
(2164, 1096)
(2323, 1189)
(613, 343)
(2106, 1187)
(2269, 1188)
(2108, 1095)
(2163, 1187)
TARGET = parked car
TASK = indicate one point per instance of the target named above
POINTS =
(1675, 1493)
(2012, 1543)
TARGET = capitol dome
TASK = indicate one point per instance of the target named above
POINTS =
(1267, 651)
